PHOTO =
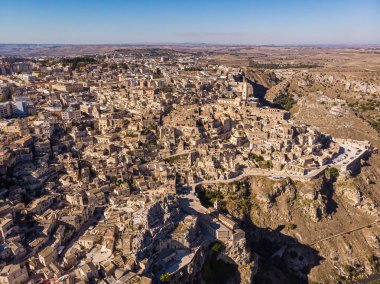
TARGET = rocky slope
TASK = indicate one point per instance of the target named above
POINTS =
(304, 213)
(241, 256)
(312, 95)
(288, 222)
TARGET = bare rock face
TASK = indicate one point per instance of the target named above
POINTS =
(278, 90)
(313, 201)
(267, 192)
(351, 193)
(346, 85)
(311, 198)
(370, 175)
(354, 194)
(265, 78)
(240, 254)
(314, 210)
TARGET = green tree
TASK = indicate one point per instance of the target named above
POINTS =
(217, 247)
(333, 173)
(165, 278)
(292, 226)
(285, 101)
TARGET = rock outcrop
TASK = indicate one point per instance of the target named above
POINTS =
(300, 228)
(240, 254)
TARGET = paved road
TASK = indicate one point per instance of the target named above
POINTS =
(260, 172)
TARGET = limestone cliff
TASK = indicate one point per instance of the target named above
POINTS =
(322, 230)
(241, 255)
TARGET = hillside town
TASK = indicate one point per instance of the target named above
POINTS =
(101, 157)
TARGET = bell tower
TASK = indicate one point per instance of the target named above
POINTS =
(247, 91)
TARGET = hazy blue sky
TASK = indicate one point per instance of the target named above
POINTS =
(210, 21)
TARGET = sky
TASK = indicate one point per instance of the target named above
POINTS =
(279, 22)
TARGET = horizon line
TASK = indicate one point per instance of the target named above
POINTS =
(200, 43)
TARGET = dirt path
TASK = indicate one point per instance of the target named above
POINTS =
(344, 233)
